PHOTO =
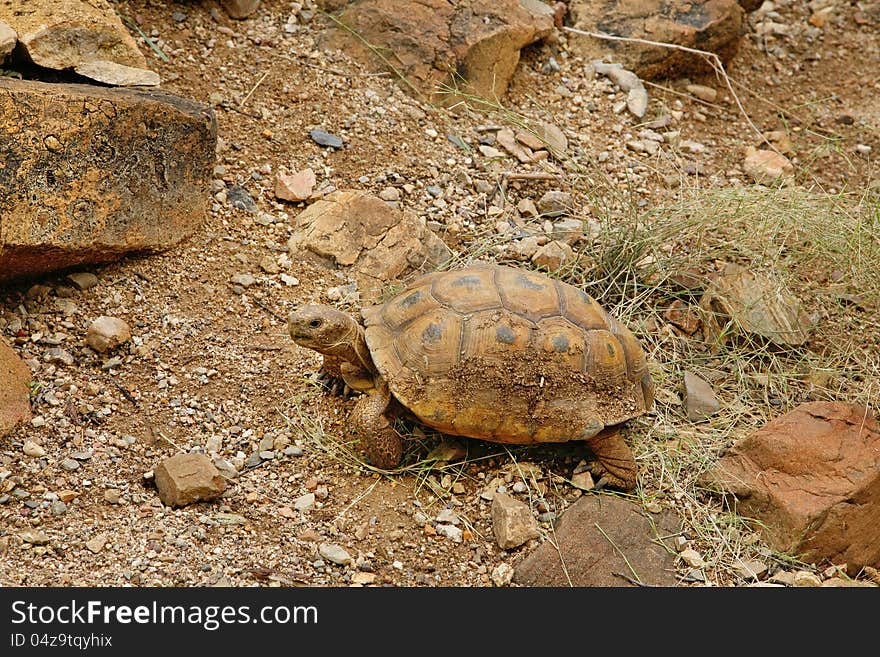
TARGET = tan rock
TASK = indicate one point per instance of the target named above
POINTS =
(118, 75)
(709, 94)
(683, 316)
(699, 399)
(767, 167)
(553, 256)
(505, 138)
(752, 302)
(107, 333)
(240, 9)
(8, 39)
(15, 378)
(83, 181)
(357, 230)
(512, 522)
(62, 34)
(186, 478)
(552, 136)
(296, 186)
(812, 479)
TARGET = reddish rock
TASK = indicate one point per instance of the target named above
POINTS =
(600, 538)
(186, 478)
(90, 173)
(15, 378)
(711, 25)
(812, 479)
(472, 45)
(295, 186)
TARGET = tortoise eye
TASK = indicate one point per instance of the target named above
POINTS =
(315, 323)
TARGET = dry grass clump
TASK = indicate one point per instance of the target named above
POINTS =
(820, 248)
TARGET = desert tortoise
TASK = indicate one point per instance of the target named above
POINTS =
(492, 352)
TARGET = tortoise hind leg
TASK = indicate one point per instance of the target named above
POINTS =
(615, 465)
(371, 427)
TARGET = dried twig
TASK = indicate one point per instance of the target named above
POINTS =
(150, 42)
(125, 392)
(253, 89)
(269, 310)
(713, 59)
(625, 560)
(632, 581)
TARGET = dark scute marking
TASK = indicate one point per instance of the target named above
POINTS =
(522, 281)
(610, 348)
(467, 281)
(411, 300)
(505, 334)
(432, 333)
(560, 343)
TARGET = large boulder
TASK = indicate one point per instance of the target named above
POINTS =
(68, 34)
(603, 540)
(8, 39)
(15, 378)
(361, 232)
(89, 173)
(711, 25)
(812, 479)
(439, 45)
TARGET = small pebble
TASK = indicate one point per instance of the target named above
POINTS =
(325, 139)
(33, 449)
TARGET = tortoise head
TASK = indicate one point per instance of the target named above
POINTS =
(322, 328)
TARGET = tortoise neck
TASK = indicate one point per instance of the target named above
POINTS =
(353, 347)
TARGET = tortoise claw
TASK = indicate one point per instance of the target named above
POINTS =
(334, 385)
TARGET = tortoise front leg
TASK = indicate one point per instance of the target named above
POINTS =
(371, 427)
(615, 465)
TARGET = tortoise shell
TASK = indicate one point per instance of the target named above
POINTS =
(507, 355)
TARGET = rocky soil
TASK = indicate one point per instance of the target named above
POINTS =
(209, 364)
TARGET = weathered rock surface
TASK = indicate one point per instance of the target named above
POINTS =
(8, 39)
(812, 479)
(186, 478)
(90, 173)
(474, 45)
(711, 25)
(512, 522)
(767, 167)
(118, 75)
(753, 303)
(598, 536)
(378, 242)
(295, 186)
(700, 402)
(62, 34)
(107, 333)
(15, 378)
